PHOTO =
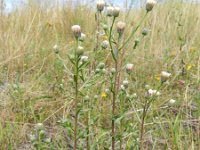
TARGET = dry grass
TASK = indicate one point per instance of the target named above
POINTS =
(34, 87)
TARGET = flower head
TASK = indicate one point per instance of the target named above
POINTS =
(165, 76)
(84, 59)
(172, 102)
(80, 51)
(76, 30)
(110, 11)
(121, 27)
(153, 92)
(56, 49)
(105, 44)
(116, 11)
(150, 4)
(129, 68)
(125, 83)
(100, 5)
(82, 37)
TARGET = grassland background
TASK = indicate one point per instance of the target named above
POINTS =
(34, 88)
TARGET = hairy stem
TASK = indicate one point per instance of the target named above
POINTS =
(115, 91)
(76, 76)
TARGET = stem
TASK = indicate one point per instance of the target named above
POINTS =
(115, 91)
(76, 75)
(97, 39)
(88, 130)
(142, 125)
(110, 40)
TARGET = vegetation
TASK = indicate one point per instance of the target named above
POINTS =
(79, 78)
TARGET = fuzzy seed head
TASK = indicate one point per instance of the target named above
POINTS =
(165, 76)
(100, 5)
(150, 4)
(76, 29)
(121, 27)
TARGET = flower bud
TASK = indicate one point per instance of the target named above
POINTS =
(145, 31)
(39, 126)
(84, 59)
(97, 70)
(150, 4)
(165, 76)
(116, 11)
(105, 27)
(100, 5)
(110, 11)
(105, 44)
(80, 51)
(134, 95)
(56, 49)
(101, 65)
(33, 138)
(153, 92)
(122, 88)
(76, 30)
(82, 37)
(129, 68)
(121, 27)
(107, 91)
(113, 71)
(87, 98)
(125, 84)
(172, 102)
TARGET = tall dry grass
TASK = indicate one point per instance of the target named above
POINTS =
(31, 76)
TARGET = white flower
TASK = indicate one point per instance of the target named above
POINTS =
(80, 48)
(56, 48)
(116, 11)
(110, 11)
(107, 91)
(82, 37)
(172, 102)
(121, 27)
(84, 59)
(150, 4)
(165, 75)
(105, 44)
(153, 92)
(76, 30)
(113, 71)
(122, 88)
(134, 95)
(125, 83)
(129, 68)
(100, 5)
(39, 126)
